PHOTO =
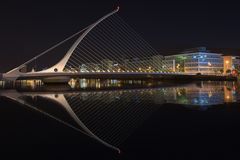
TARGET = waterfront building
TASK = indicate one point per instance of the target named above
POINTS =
(197, 60)
(145, 64)
(157, 62)
(171, 65)
(231, 63)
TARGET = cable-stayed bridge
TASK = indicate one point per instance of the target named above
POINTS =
(108, 48)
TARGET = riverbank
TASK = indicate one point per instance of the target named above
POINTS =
(58, 78)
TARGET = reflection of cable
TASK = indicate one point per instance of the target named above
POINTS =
(130, 109)
(104, 96)
(75, 117)
(57, 119)
(91, 108)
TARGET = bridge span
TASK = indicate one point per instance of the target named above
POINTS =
(65, 77)
(107, 49)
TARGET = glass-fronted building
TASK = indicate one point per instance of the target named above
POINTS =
(197, 60)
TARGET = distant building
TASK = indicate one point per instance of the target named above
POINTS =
(157, 62)
(197, 60)
(107, 64)
(170, 65)
(144, 64)
(231, 63)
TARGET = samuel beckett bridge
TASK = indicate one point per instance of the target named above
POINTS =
(108, 48)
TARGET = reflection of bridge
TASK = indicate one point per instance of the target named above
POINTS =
(108, 48)
(107, 115)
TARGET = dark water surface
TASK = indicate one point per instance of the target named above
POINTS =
(93, 119)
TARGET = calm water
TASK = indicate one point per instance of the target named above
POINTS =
(93, 119)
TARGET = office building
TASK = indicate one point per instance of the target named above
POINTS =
(197, 60)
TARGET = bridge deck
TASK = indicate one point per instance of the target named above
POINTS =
(125, 75)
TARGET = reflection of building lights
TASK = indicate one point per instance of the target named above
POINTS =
(178, 66)
(195, 101)
(228, 97)
(210, 94)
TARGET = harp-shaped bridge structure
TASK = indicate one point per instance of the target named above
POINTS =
(108, 48)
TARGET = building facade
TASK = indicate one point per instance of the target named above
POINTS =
(231, 63)
(197, 60)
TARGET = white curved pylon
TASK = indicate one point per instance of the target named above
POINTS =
(15, 73)
(62, 63)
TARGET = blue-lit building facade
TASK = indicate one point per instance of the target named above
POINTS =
(197, 60)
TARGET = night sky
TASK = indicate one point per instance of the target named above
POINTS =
(28, 28)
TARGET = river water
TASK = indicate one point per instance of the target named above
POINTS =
(111, 119)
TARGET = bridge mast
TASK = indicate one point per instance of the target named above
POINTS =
(61, 64)
(15, 73)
